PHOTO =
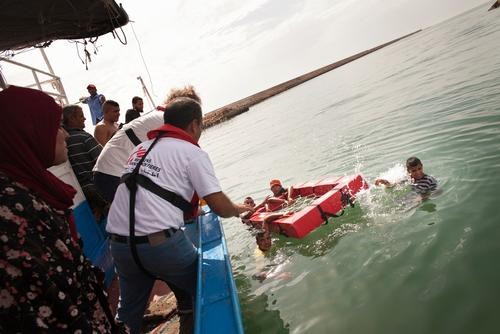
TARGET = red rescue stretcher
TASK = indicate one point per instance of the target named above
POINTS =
(330, 195)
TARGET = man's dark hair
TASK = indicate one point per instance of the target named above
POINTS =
(136, 99)
(413, 161)
(112, 103)
(181, 111)
(68, 112)
(248, 197)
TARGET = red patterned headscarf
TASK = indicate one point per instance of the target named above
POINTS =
(29, 122)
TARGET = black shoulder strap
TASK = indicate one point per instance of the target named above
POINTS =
(166, 194)
(132, 186)
(132, 136)
(134, 178)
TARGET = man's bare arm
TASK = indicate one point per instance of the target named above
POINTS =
(224, 207)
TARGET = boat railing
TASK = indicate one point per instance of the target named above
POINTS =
(42, 80)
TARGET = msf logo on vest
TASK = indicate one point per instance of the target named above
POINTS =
(141, 151)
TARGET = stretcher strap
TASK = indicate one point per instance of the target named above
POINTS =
(345, 198)
(326, 215)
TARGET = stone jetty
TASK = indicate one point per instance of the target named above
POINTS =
(233, 109)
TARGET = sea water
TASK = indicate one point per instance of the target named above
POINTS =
(394, 263)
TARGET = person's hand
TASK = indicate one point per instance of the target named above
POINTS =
(81, 99)
(245, 215)
(244, 209)
(381, 181)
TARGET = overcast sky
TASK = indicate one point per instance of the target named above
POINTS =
(230, 49)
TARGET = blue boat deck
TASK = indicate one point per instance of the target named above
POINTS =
(217, 304)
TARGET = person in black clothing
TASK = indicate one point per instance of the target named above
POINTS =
(135, 112)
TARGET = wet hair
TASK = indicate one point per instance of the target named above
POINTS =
(261, 236)
(68, 112)
(181, 111)
(136, 99)
(413, 161)
(187, 91)
(249, 200)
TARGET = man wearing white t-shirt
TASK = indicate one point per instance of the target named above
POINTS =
(174, 162)
(112, 161)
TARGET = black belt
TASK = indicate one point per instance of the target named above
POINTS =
(144, 239)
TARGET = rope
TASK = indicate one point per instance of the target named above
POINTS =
(143, 60)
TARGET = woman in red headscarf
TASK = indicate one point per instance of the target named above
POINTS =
(46, 284)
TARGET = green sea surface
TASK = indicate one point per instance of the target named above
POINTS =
(392, 264)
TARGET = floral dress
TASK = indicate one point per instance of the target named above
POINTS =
(46, 284)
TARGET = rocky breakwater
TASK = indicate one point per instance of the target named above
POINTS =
(236, 108)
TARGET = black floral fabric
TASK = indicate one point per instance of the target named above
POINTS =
(46, 283)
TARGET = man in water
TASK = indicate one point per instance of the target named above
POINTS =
(420, 182)
(95, 102)
(281, 196)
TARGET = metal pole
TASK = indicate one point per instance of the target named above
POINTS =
(3, 82)
(42, 51)
(146, 92)
(37, 81)
(56, 83)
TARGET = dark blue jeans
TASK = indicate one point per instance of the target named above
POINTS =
(175, 261)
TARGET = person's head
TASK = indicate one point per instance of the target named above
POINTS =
(415, 168)
(73, 117)
(111, 111)
(249, 201)
(31, 138)
(92, 89)
(187, 91)
(137, 103)
(275, 186)
(264, 241)
(184, 113)
(31, 141)
(61, 150)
